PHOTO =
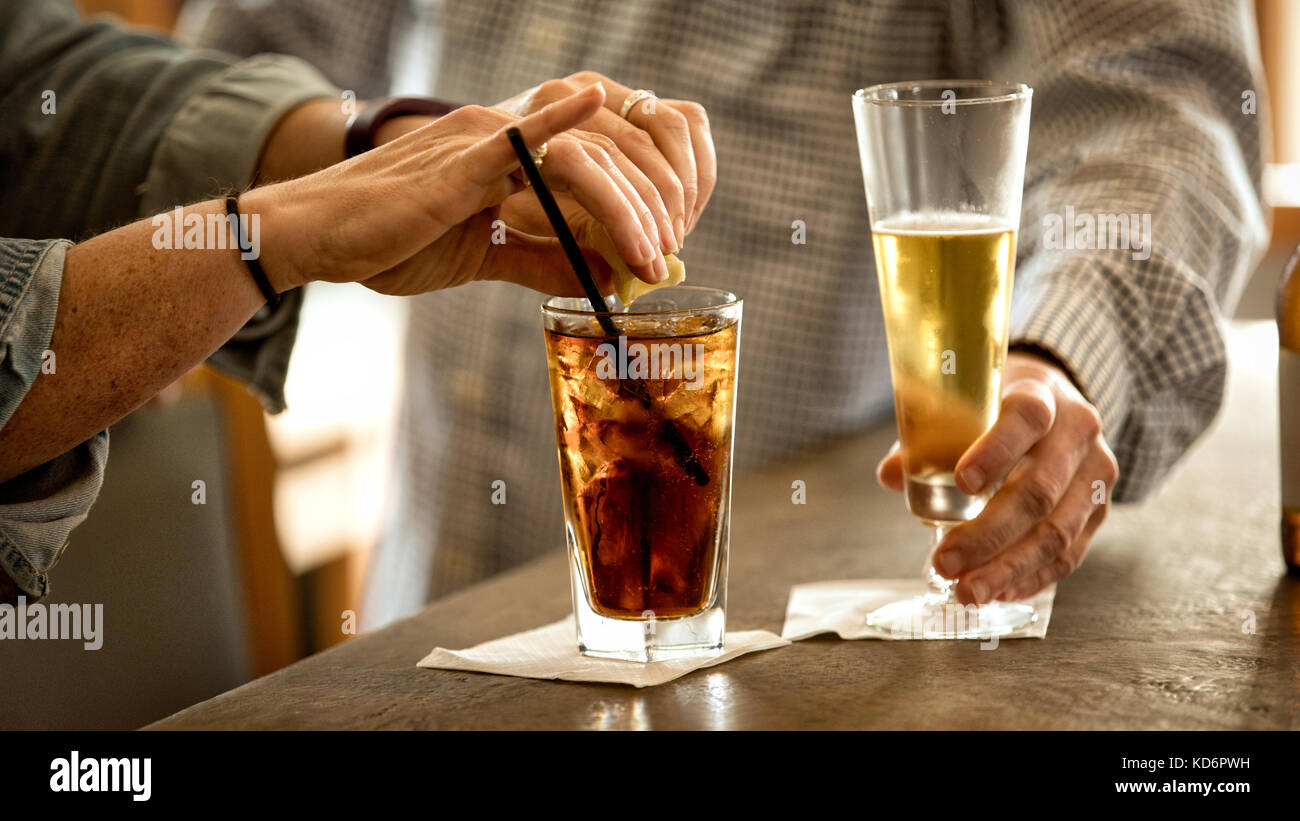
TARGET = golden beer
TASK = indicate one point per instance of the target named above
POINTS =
(945, 287)
(943, 163)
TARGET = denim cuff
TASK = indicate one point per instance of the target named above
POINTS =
(39, 508)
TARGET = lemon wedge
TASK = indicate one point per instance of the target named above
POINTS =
(626, 284)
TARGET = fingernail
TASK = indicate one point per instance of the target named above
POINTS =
(680, 225)
(979, 591)
(661, 269)
(973, 478)
(647, 250)
(668, 237)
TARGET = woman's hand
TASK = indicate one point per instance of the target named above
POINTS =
(1056, 470)
(665, 148)
(417, 214)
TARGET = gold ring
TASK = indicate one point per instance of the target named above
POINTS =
(538, 154)
(634, 98)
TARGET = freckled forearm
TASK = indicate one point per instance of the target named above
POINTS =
(131, 320)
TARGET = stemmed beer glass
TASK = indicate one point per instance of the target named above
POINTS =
(943, 162)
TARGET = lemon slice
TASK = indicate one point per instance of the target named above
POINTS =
(626, 284)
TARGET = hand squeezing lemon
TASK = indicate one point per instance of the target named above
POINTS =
(626, 284)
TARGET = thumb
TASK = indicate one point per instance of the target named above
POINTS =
(890, 470)
(494, 157)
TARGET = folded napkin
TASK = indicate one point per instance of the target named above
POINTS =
(551, 652)
(841, 607)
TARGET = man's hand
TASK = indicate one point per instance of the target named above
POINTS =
(1056, 471)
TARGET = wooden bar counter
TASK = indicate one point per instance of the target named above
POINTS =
(1154, 631)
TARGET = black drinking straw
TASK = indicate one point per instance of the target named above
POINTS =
(567, 241)
(681, 448)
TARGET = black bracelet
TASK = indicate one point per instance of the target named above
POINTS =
(250, 259)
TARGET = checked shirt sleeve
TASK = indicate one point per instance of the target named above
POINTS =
(1140, 111)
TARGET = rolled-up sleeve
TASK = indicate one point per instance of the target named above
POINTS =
(222, 129)
(123, 124)
(215, 140)
(39, 508)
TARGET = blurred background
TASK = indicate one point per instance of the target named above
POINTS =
(194, 608)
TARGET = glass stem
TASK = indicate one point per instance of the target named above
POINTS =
(940, 588)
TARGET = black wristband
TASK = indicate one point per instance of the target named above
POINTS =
(245, 253)
(363, 125)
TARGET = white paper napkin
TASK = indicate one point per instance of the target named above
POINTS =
(551, 652)
(841, 607)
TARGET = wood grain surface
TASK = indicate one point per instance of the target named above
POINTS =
(1148, 633)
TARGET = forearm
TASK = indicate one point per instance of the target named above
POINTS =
(311, 137)
(131, 319)
(307, 139)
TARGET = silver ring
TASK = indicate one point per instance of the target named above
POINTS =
(634, 98)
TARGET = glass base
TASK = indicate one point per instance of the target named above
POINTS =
(932, 617)
(647, 638)
(938, 615)
(650, 639)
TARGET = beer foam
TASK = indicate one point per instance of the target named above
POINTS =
(945, 223)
